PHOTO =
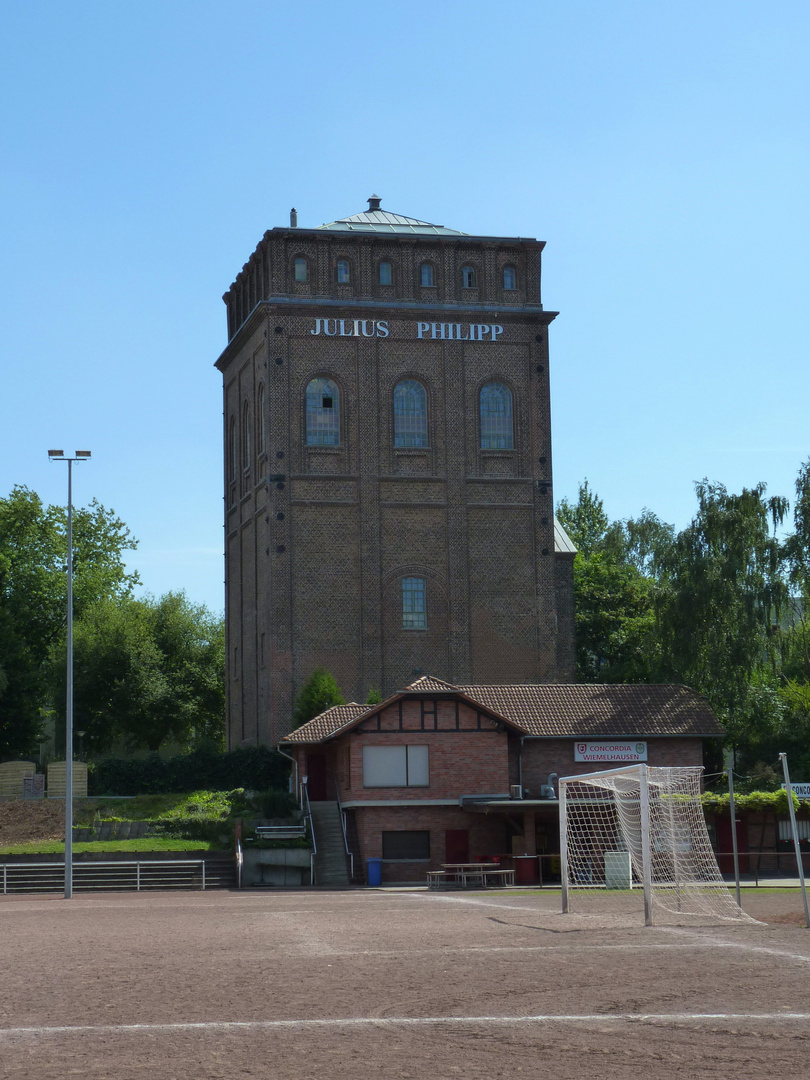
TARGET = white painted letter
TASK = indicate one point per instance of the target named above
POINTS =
(421, 328)
(382, 329)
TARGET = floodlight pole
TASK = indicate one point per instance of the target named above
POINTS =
(58, 455)
(796, 848)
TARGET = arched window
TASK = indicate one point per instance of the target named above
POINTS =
(426, 274)
(343, 272)
(301, 269)
(232, 457)
(509, 278)
(386, 273)
(496, 417)
(246, 436)
(323, 413)
(261, 428)
(410, 414)
(468, 277)
(414, 606)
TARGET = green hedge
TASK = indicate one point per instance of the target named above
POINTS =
(254, 767)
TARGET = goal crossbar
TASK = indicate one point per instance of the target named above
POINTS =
(637, 835)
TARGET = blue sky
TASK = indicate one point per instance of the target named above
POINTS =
(661, 150)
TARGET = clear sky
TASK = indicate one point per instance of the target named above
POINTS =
(662, 150)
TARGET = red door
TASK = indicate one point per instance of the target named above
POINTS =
(316, 777)
(457, 845)
(725, 856)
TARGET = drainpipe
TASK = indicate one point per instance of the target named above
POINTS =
(520, 765)
(295, 766)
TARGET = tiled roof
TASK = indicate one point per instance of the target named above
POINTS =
(594, 710)
(554, 710)
(327, 723)
(430, 684)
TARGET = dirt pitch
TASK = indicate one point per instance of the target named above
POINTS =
(355, 984)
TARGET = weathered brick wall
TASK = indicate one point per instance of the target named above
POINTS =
(314, 567)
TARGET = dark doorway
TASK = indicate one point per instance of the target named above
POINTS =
(316, 777)
(457, 845)
(725, 857)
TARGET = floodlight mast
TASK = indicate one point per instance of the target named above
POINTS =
(59, 455)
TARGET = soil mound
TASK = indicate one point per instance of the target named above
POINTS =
(22, 821)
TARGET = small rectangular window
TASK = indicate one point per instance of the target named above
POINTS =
(406, 845)
(414, 604)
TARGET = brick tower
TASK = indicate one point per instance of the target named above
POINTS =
(388, 484)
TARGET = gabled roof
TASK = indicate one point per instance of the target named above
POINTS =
(551, 710)
(563, 544)
(376, 220)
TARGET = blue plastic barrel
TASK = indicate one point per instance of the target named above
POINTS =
(375, 871)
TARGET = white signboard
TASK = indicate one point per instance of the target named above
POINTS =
(618, 750)
(801, 791)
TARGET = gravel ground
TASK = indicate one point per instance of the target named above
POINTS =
(394, 984)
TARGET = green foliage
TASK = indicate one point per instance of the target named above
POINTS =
(753, 802)
(319, 693)
(147, 843)
(33, 598)
(276, 804)
(146, 671)
(254, 767)
(374, 697)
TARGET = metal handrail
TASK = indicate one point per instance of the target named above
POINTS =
(239, 862)
(342, 813)
(308, 816)
(119, 864)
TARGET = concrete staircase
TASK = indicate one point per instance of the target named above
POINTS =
(330, 861)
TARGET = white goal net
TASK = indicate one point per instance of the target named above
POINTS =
(635, 839)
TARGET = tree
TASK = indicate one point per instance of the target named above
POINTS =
(720, 593)
(33, 597)
(148, 672)
(319, 693)
(613, 596)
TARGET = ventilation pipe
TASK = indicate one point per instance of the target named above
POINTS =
(293, 218)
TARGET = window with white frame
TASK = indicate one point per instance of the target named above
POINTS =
(301, 269)
(323, 413)
(395, 766)
(414, 604)
(802, 829)
(468, 279)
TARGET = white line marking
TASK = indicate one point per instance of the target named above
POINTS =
(699, 938)
(404, 1021)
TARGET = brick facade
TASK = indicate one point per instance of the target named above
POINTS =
(320, 537)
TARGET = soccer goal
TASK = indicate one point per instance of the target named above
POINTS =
(636, 837)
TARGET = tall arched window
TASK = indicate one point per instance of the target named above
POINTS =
(496, 417)
(246, 436)
(468, 279)
(414, 605)
(301, 269)
(343, 272)
(261, 427)
(509, 278)
(410, 414)
(323, 413)
(386, 273)
(232, 455)
(426, 274)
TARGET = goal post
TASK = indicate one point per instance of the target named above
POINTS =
(635, 838)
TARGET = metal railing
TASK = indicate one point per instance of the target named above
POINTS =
(308, 815)
(239, 863)
(342, 813)
(118, 874)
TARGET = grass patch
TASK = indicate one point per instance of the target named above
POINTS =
(207, 804)
(147, 843)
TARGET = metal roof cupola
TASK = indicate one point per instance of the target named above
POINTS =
(377, 220)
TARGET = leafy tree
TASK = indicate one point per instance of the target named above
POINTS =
(374, 697)
(319, 693)
(148, 672)
(33, 597)
(720, 592)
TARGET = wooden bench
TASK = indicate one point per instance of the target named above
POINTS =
(501, 878)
